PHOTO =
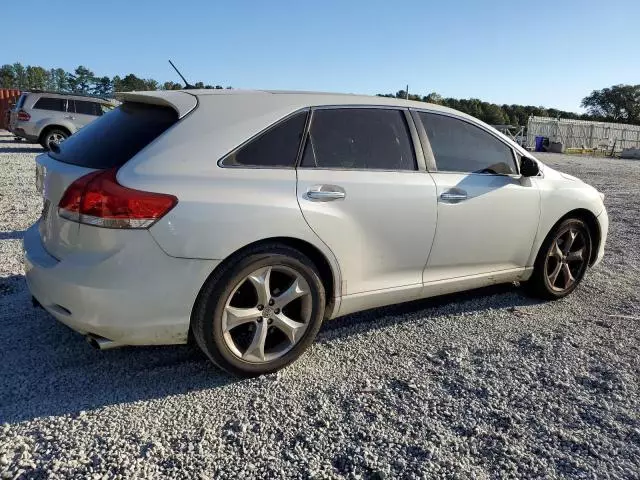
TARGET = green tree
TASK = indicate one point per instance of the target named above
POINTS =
(620, 103)
(151, 84)
(493, 114)
(102, 87)
(37, 78)
(81, 80)
(60, 80)
(171, 86)
(129, 83)
(21, 76)
(7, 77)
(433, 97)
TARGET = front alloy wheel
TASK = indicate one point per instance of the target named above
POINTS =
(562, 261)
(566, 260)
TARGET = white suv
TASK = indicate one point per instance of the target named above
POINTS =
(248, 218)
(48, 117)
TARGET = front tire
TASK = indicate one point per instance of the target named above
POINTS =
(562, 260)
(261, 312)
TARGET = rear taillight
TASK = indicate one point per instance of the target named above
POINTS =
(98, 199)
(23, 116)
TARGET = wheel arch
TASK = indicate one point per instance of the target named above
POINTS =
(48, 128)
(328, 276)
(591, 220)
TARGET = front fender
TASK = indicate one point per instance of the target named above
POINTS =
(561, 194)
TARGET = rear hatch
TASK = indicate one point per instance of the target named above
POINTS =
(13, 113)
(107, 143)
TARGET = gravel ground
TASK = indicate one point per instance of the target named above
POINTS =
(488, 384)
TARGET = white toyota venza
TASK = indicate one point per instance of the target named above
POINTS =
(244, 219)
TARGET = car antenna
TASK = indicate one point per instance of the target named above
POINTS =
(187, 85)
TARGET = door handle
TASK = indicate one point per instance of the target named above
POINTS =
(325, 193)
(455, 195)
(70, 117)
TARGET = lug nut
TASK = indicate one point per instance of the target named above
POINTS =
(276, 311)
(271, 301)
(259, 320)
(270, 321)
(260, 307)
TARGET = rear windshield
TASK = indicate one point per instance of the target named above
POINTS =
(21, 100)
(114, 138)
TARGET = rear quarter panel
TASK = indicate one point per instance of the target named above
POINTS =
(220, 210)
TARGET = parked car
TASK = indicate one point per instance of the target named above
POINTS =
(48, 117)
(249, 218)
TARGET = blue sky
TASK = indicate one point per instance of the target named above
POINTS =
(549, 53)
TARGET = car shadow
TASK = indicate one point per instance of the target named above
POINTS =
(47, 369)
(493, 297)
(13, 235)
(33, 149)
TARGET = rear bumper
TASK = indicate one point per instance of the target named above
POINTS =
(20, 132)
(135, 295)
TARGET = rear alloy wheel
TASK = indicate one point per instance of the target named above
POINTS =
(262, 312)
(563, 260)
(54, 136)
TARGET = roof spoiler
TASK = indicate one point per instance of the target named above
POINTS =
(182, 102)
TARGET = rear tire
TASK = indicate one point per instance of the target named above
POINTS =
(260, 312)
(562, 260)
(55, 135)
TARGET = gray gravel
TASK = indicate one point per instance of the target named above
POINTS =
(489, 384)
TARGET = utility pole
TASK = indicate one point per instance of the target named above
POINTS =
(406, 93)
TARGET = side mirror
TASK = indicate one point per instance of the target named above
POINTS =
(529, 167)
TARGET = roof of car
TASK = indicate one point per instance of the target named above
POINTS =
(297, 99)
(326, 98)
(65, 94)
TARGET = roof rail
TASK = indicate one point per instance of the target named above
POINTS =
(36, 90)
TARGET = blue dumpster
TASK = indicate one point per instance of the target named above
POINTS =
(539, 141)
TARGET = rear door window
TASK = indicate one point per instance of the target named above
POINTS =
(116, 137)
(359, 138)
(86, 108)
(51, 103)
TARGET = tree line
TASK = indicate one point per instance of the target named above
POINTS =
(619, 103)
(81, 80)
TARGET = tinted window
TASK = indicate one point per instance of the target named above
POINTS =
(51, 103)
(459, 146)
(21, 101)
(86, 108)
(364, 138)
(277, 147)
(114, 138)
